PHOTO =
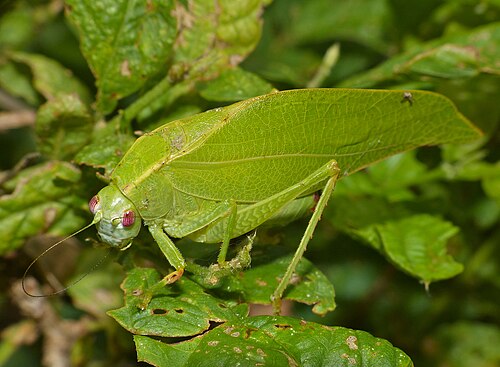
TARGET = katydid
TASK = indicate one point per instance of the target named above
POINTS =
(222, 173)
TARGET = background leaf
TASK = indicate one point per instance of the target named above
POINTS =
(418, 245)
(125, 43)
(234, 85)
(63, 127)
(461, 55)
(43, 202)
(50, 78)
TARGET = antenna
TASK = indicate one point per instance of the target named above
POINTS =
(96, 219)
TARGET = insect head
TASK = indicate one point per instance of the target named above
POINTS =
(116, 218)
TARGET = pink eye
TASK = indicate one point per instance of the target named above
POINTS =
(93, 204)
(128, 218)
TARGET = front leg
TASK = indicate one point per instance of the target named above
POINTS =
(173, 256)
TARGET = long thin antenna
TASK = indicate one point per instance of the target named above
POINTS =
(96, 219)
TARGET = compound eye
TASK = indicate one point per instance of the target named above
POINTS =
(128, 218)
(93, 204)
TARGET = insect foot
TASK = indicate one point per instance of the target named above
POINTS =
(145, 299)
(276, 303)
(146, 296)
(173, 276)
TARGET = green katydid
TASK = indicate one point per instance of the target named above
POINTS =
(222, 173)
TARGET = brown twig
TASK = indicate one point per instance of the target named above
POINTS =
(17, 119)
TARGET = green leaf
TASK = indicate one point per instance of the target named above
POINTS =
(50, 78)
(359, 215)
(458, 56)
(109, 144)
(234, 27)
(417, 245)
(234, 85)
(43, 202)
(63, 127)
(182, 309)
(273, 341)
(309, 285)
(14, 336)
(256, 284)
(125, 42)
(491, 186)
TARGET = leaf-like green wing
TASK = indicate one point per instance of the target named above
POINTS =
(268, 143)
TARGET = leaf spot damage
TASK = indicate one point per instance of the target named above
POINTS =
(125, 69)
(351, 360)
(137, 292)
(351, 342)
(261, 283)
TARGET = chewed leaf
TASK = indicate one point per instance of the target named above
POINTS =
(274, 341)
(309, 285)
(181, 309)
(417, 244)
(125, 43)
(234, 27)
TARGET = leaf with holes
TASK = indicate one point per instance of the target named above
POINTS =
(183, 309)
(273, 341)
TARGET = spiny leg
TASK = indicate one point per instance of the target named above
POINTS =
(316, 216)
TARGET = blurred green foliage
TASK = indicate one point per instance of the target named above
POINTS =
(185, 57)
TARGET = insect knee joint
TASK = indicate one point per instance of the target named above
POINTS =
(333, 167)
